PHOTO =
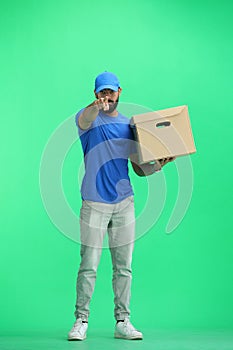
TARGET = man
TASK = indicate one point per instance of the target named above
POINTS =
(107, 203)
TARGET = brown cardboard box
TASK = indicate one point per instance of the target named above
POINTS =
(162, 134)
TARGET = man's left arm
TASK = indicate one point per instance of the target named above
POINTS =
(148, 168)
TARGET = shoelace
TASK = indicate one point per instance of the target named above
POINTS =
(129, 326)
(77, 325)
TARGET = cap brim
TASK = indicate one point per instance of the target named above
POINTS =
(102, 87)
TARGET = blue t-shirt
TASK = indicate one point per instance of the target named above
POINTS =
(106, 145)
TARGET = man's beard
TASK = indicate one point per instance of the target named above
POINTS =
(112, 105)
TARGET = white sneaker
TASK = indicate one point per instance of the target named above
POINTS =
(78, 331)
(125, 330)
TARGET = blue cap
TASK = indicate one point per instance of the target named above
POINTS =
(106, 80)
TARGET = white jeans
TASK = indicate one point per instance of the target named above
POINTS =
(119, 221)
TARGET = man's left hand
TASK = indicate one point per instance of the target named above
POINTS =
(164, 161)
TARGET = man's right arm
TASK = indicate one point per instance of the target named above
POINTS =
(90, 113)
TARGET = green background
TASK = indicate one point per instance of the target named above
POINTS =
(166, 53)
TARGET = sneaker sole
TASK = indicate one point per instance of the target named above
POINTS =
(120, 336)
(75, 338)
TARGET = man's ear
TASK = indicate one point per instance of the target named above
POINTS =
(95, 94)
(119, 90)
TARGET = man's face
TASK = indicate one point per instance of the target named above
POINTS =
(113, 98)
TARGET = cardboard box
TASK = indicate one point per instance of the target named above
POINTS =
(162, 134)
